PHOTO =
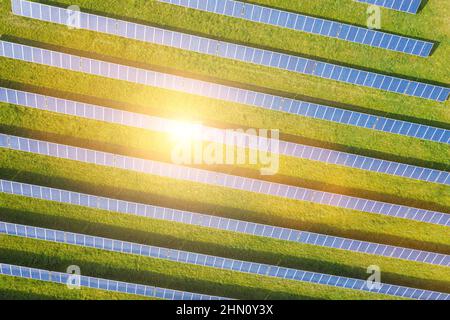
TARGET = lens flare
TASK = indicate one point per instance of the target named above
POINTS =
(184, 130)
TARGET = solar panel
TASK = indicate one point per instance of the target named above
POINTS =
(250, 55)
(317, 26)
(89, 111)
(221, 92)
(409, 6)
(208, 260)
(221, 223)
(102, 284)
(172, 171)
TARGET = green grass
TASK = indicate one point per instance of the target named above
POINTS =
(148, 144)
(255, 207)
(167, 274)
(145, 99)
(150, 99)
(13, 288)
(430, 24)
(131, 228)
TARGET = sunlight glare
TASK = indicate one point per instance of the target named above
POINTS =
(184, 131)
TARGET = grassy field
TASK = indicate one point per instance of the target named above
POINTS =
(18, 288)
(180, 105)
(215, 242)
(167, 274)
(430, 24)
(255, 207)
(152, 145)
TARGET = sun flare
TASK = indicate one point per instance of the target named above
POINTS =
(184, 130)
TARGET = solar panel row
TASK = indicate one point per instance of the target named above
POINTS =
(410, 6)
(233, 51)
(89, 111)
(300, 22)
(221, 92)
(102, 284)
(220, 179)
(214, 261)
(191, 218)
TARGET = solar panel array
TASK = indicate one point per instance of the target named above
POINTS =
(247, 54)
(220, 179)
(89, 111)
(214, 261)
(102, 284)
(234, 51)
(318, 26)
(221, 92)
(220, 223)
(410, 6)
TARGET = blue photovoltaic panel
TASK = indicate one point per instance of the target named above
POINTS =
(217, 91)
(299, 22)
(102, 284)
(410, 6)
(213, 261)
(240, 53)
(220, 223)
(90, 111)
(220, 179)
